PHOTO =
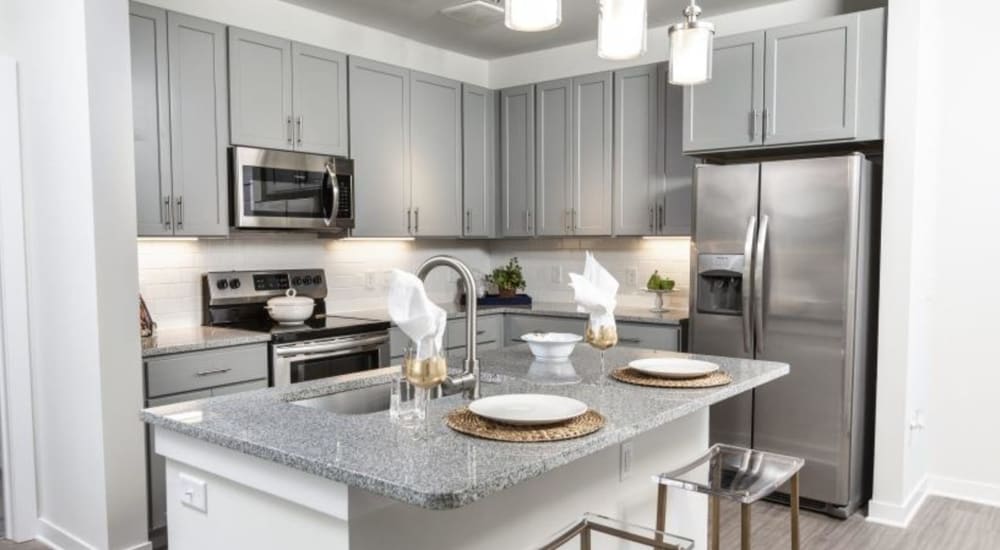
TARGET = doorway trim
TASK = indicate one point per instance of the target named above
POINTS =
(20, 499)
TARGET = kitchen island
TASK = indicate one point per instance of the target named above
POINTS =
(255, 470)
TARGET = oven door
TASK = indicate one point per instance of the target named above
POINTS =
(317, 359)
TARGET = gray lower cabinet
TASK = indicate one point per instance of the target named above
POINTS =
(287, 95)
(180, 124)
(479, 161)
(181, 377)
(436, 156)
(489, 335)
(380, 147)
(517, 161)
(553, 157)
(590, 202)
(636, 335)
(808, 83)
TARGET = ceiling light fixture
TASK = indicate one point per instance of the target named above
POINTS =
(532, 15)
(691, 49)
(621, 29)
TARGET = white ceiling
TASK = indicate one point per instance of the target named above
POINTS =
(420, 20)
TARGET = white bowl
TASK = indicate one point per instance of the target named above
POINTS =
(551, 346)
(290, 309)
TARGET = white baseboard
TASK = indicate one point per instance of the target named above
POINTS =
(59, 539)
(961, 489)
(898, 515)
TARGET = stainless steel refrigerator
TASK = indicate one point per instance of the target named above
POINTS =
(783, 269)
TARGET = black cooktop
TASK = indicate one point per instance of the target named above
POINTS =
(319, 327)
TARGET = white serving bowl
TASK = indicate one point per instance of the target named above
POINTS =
(290, 309)
(551, 346)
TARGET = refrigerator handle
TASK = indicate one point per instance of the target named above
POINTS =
(747, 263)
(758, 283)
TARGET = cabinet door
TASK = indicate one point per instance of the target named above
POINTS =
(479, 114)
(590, 200)
(812, 87)
(726, 112)
(554, 156)
(436, 155)
(637, 181)
(198, 124)
(260, 89)
(380, 147)
(150, 119)
(673, 205)
(517, 161)
(319, 100)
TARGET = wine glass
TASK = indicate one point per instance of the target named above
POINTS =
(424, 375)
(602, 338)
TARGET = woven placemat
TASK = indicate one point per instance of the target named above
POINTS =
(632, 376)
(464, 421)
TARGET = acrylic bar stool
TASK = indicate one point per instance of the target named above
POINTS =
(596, 532)
(735, 473)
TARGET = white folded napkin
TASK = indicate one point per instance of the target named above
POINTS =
(595, 293)
(415, 314)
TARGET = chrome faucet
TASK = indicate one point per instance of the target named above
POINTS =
(469, 379)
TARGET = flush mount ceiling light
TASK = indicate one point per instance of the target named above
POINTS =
(621, 29)
(691, 49)
(532, 15)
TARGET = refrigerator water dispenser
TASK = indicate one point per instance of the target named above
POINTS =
(720, 283)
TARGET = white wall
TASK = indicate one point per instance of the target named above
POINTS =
(76, 153)
(311, 27)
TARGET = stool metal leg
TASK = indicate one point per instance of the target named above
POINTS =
(585, 538)
(794, 505)
(661, 511)
(713, 504)
(744, 527)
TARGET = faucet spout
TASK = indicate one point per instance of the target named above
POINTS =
(469, 380)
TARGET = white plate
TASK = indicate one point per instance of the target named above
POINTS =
(670, 367)
(527, 409)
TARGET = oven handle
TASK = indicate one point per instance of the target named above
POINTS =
(334, 345)
(334, 195)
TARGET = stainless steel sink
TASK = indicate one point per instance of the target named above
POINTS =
(366, 400)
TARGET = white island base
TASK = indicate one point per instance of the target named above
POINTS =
(251, 503)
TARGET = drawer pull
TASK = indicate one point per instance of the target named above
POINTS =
(211, 372)
(519, 340)
(630, 340)
(480, 332)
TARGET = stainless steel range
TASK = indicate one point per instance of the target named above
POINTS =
(325, 346)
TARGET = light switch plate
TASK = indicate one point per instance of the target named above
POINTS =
(194, 492)
(633, 277)
(556, 275)
(626, 459)
(370, 280)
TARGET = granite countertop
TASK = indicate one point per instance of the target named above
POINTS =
(445, 469)
(177, 340)
(548, 309)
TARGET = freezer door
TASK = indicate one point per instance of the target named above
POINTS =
(725, 207)
(807, 263)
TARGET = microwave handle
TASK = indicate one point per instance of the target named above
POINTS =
(334, 195)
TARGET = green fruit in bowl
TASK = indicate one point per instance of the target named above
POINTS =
(666, 283)
(654, 281)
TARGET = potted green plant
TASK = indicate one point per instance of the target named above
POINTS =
(508, 279)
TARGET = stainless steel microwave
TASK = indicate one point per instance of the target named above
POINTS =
(288, 190)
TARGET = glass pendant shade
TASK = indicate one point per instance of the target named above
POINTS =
(691, 50)
(532, 15)
(621, 29)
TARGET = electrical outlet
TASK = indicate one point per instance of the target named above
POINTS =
(194, 492)
(370, 280)
(632, 275)
(625, 460)
(556, 275)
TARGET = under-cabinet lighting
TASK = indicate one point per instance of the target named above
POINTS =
(690, 49)
(167, 239)
(621, 29)
(532, 15)
(377, 239)
(662, 238)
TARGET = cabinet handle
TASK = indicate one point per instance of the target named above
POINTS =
(518, 340)
(416, 220)
(409, 220)
(527, 221)
(651, 223)
(166, 212)
(661, 221)
(754, 113)
(211, 372)
(180, 212)
(531, 224)
(480, 332)
(629, 340)
(768, 124)
(288, 129)
(298, 133)
(468, 220)
(572, 220)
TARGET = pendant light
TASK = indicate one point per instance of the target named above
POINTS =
(621, 29)
(532, 15)
(691, 49)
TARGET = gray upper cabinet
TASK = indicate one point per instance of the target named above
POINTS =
(673, 205)
(436, 155)
(286, 95)
(590, 201)
(638, 181)
(517, 161)
(319, 100)
(726, 112)
(151, 119)
(196, 60)
(814, 82)
(380, 147)
(554, 156)
(479, 160)
(260, 89)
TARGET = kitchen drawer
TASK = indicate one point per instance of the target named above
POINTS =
(518, 325)
(239, 388)
(185, 372)
(638, 335)
(487, 330)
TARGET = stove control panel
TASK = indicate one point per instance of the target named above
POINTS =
(243, 287)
